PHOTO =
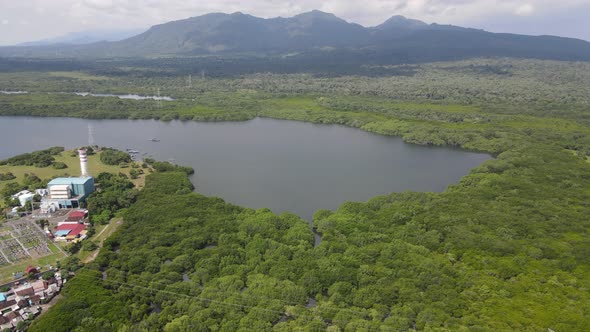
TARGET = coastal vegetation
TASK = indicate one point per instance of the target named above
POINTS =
(116, 193)
(40, 159)
(506, 248)
(494, 243)
(114, 157)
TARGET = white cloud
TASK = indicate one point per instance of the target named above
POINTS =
(5, 22)
(525, 10)
(99, 4)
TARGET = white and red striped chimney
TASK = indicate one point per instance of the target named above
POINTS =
(83, 162)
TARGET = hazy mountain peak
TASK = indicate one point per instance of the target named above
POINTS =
(86, 37)
(318, 14)
(240, 15)
(401, 22)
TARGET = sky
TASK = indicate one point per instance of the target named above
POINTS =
(31, 20)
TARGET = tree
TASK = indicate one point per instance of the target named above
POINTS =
(74, 247)
(71, 264)
(7, 176)
(89, 246)
(114, 157)
(59, 165)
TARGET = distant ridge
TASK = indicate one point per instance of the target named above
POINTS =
(398, 39)
(85, 37)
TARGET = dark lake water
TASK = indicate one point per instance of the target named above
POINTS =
(283, 165)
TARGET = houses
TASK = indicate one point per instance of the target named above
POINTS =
(39, 286)
(24, 301)
(24, 291)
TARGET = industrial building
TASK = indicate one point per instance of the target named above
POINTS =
(23, 197)
(69, 192)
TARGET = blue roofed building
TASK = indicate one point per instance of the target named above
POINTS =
(70, 192)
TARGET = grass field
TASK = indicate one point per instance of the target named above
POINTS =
(6, 272)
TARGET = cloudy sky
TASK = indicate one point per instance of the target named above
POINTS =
(28, 20)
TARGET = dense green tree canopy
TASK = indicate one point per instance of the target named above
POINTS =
(507, 248)
(114, 157)
(41, 158)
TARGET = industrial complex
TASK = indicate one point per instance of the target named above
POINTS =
(62, 204)
(67, 193)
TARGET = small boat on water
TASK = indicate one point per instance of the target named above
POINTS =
(155, 140)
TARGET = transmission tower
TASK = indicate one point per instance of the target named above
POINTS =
(90, 135)
(159, 99)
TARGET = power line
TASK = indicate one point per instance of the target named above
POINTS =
(152, 290)
(155, 290)
(159, 99)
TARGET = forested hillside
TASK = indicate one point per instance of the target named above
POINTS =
(319, 35)
(505, 249)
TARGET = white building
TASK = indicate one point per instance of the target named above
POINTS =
(23, 199)
(60, 191)
(20, 193)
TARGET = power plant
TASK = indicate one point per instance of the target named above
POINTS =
(69, 192)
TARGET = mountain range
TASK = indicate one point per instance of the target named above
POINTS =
(317, 34)
(86, 37)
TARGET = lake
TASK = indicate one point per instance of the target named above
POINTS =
(4, 92)
(84, 94)
(282, 165)
(127, 96)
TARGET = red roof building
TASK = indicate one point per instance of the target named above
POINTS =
(77, 215)
(11, 315)
(31, 269)
(74, 229)
(40, 285)
(7, 304)
(25, 291)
